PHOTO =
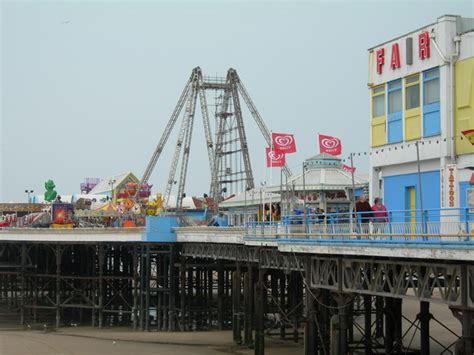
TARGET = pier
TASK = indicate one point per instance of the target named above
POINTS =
(303, 281)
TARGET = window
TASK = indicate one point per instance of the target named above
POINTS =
(431, 91)
(379, 90)
(378, 101)
(431, 78)
(431, 103)
(394, 118)
(413, 96)
(378, 106)
(395, 96)
(412, 93)
(413, 79)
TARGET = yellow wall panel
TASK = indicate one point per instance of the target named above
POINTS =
(464, 99)
(412, 124)
(378, 131)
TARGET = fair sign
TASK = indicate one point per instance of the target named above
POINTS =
(395, 62)
(405, 55)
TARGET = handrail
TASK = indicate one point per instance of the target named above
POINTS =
(437, 225)
(374, 235)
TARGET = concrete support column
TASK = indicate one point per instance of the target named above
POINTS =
(183, 304)
(173, 273)
(389, 325)
(379, 313)
(424, 317)
(368, 324)
(220, 296)
(467, 332)
(135, 287)
(166, 297)
(325, 320)
(236, 295)
(100, 289)
(210, 288)
(259, 313)
(190, 296)
(397, 317)
(310, 331)
(295, 288)
(282, 300)
(146, 315)
(58, 285)
(343, 324)
(248, 309)
(23, 283)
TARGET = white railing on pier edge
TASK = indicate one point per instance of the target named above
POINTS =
(431, 226)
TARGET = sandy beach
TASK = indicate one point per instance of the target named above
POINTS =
(15, 340)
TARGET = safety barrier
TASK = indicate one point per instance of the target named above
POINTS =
(407, 226)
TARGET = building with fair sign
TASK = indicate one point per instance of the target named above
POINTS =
(421, 89)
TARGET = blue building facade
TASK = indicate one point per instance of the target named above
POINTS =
(420, 110)
(402, 192)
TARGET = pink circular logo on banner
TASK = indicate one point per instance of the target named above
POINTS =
(284, 141)
(330, 143)
(273, 156)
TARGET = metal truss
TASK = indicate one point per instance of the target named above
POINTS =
(268, 258)
(431, 282)
(220, 251)
(229, 159)
(273, 259)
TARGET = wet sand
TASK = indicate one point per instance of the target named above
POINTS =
(122, 341)
(90, 341)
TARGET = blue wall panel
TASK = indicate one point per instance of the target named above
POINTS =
(395, 128)
(395, 196)
(431, 120)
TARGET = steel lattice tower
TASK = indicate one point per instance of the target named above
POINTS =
(229, 157)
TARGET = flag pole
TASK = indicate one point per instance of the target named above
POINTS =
(353, 182)
(271, 181)
(353, 203)
(281, 190)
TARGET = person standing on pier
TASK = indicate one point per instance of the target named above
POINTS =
(364, 214)
(380, 215)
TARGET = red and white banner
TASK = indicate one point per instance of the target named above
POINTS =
(348, 168)
(330, 145)
(283, 143)
(274, 159)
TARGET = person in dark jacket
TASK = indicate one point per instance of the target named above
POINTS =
(364, 213)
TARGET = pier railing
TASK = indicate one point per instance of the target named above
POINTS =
(401, 226)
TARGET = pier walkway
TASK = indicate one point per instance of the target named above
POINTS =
(280, 276)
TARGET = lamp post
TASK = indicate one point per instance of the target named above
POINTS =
(29, 192)
(418, 165)
(262, 199)
(304, 197)
(245, 206)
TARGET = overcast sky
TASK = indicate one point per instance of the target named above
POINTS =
(87, 87)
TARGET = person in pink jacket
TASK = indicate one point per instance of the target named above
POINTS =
(379, 216)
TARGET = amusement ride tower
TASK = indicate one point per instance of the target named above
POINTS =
(229, 157)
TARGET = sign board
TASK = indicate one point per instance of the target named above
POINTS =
(451, 183)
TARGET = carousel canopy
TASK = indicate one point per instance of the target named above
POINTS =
(323, 172)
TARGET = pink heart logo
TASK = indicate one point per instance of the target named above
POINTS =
(330, 143)
(284, 141)
(273, 156)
